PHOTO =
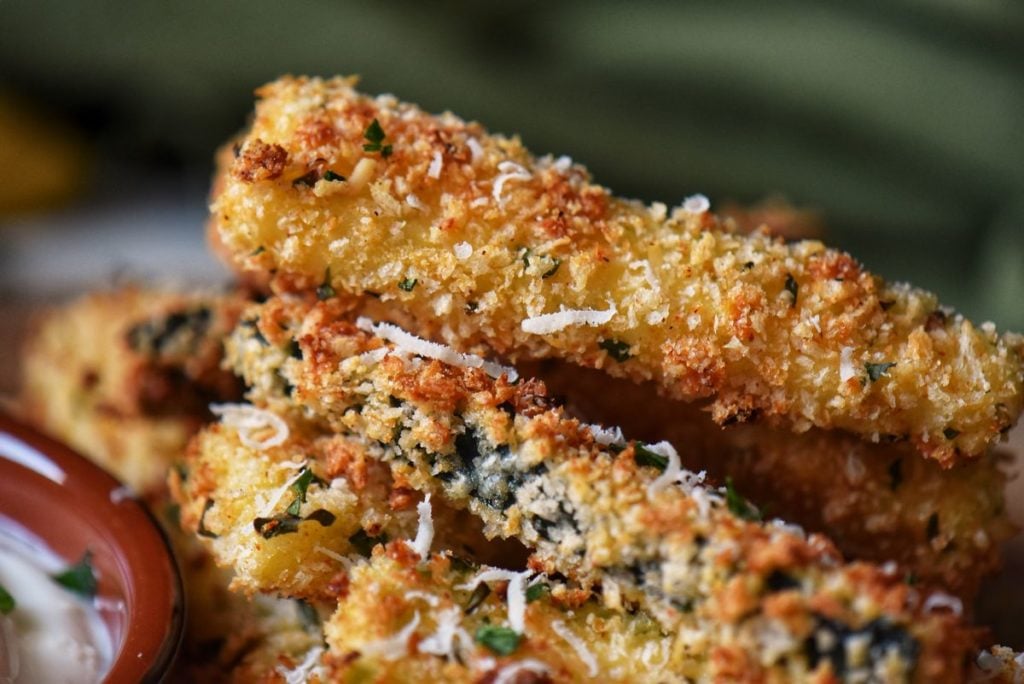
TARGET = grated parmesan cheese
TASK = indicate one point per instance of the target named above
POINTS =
(272, 502)
(334, 555)
(248, 420)
(425, 531)
(578, 645)
(302, 672)
(515, 595)
(607, 436)
(475, 149)
(846, 367)
(431, 600)
(510, 673)
(394, 646)
(432, 350)
(463, 251)
(434, 170)
(673, 471)
(414, 202)
(943, 601)
(509, 171)
(449, 631)
(696, 204)
(545, 324)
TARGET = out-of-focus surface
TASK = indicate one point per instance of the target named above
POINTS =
(898, 124)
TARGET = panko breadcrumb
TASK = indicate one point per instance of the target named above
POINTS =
(877, 502)
(599, 511)
(468, 238)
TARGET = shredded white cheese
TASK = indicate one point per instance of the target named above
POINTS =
(301, 673)
(425, 531)
(607, 436)
(509, 171)
(545, 324)
(432, 350)
(562, 164)
(414, 202)
(449, 637)
(272, 502)
(334, 555)
(673, 471)
(696, 204)
(578, 645)
(249, 420)
(509, 673)
(943, 601)
(431, 600)
(515, 595)
(463, 251)
(475, 149)
(846, 368)
(395, 646)
(434, 170)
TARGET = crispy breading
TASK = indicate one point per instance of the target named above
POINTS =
(242, 502)
(998, 665)
(468, 238)
(568, 637)
(125, 376)
(877, 502)
(595, 512)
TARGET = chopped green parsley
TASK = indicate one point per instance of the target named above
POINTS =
(501, 640)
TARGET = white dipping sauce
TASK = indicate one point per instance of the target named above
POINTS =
(52, 636)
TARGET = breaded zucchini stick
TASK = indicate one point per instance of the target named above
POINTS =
(623, 516)
(877, 502)
(998, 665)
(290, 518)
(125, 376)
(468, 238)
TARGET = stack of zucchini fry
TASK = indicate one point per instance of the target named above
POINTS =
(499, 425)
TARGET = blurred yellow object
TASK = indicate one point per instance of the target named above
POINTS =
(42, 162)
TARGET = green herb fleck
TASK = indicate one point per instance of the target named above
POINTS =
(749, 265)
(364, 543)
(792, 287)
(739, 506)
(407, 285)
(478, 596)
(645, 457)
(933, 526)
(331, 176)
(79, 578)
(287, 523)
(375, 135)
(7, 602)
(259, 250)
(500, 640)
(911, 578)
(554, 269)
(950, 433)
(308, 179)
(877, 370)
(202, 531)
(537, 591)
(616, 349)
(300, 487)
(525, 256)
(325, 291)
(294, 350)
(896, 474)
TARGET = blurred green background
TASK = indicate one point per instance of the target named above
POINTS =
(902, 122)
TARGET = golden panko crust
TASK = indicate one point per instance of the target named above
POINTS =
(474, 241)
(877, 502)
(592, 509)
